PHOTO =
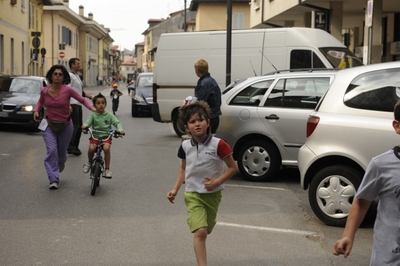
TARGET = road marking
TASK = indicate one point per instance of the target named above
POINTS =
(5, 154)
(279, 230)
(259, 187)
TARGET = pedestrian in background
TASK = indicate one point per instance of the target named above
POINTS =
(114, 94)
(381, 180)
(56, 125)
(207, 90)
(76, 115)
(202, 170)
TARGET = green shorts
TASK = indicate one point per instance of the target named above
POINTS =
(202, 209)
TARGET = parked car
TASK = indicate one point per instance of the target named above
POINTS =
(142, 94)
(264, 119)
(351, 124)
(18, 99)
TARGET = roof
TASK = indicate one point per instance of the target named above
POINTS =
(129, 62)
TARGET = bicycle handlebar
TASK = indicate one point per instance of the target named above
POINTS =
(111, 133)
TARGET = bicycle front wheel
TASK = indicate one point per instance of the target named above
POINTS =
(96, 177)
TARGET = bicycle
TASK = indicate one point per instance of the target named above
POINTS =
(97, 167)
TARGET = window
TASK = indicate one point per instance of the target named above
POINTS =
(12, 56)
(23, 58)
(90, 43)
(1, 53)
(305, 59)
(31, 12)
(238, 21)
(59, 34)
(66, 36)
(252, 95)
(37, 18)
(304, 93)
(378, 90)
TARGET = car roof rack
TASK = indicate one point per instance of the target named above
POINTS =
(310, 70)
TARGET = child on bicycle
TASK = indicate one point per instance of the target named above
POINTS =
(202, 168)
(101, 120)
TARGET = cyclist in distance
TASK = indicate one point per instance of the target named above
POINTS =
(101, 120)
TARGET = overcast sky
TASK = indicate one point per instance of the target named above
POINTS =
(127, 19)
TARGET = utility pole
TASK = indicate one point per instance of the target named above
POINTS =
(184, 23)
(228, 42)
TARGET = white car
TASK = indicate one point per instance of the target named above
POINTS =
(264, 119)
(351, 124)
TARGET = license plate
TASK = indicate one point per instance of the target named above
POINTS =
(3, 114)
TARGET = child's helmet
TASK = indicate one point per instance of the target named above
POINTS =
(115, 85)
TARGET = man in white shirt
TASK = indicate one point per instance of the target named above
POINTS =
(76, 115)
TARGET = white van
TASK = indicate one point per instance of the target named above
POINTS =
(254, 52)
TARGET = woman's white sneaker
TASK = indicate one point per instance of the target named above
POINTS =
(54, 185)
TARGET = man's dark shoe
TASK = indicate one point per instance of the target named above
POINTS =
(74, 151)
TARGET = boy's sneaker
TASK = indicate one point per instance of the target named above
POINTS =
(107, 174)
(54, 185)
(86, 167)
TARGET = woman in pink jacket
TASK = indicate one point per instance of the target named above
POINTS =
(57, 126)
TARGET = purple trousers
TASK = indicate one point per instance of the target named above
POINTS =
(56, 145)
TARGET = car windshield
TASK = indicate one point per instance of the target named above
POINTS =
(28, 86)
(145, 81)
(341, 57)
(232, 85)
(378, 90)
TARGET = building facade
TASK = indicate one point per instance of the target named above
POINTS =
(211, 15)
(14, 37)
(70, 35)
(36, 34)
(371, 29)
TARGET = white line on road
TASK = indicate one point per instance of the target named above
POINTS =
(259, 187)
(279, 230)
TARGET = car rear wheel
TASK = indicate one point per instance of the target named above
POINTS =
(179, 127)
(331, 193)
(259, 160)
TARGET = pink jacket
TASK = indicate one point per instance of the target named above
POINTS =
(57, 109)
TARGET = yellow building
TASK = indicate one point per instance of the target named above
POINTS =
(14, 37)
(211, 15)
(70, 35)
(36, 37)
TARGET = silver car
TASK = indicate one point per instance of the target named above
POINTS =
(352, 124)
(264, 119)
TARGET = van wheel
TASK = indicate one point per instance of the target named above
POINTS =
(331, 193)
(178, 125)
(259, 160)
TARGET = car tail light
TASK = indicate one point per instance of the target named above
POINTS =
(312, 123)
(155, 86)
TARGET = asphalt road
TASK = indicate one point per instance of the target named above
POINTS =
(130, 222)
